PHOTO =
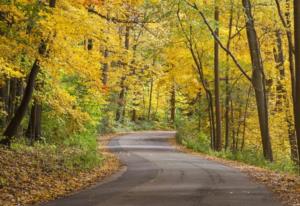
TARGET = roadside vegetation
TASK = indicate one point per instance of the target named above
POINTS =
(198, 141)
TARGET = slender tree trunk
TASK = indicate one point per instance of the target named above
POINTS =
(105, 69)
(34, 126)
(297, 61)
(282, 102)
(245, 119)
(228, 93)
(173, 103)
(150, 100)
(52, 3)
(218, 142)
(157, 103)
(287, 25)
(199, 67)
(4, 101)
(121, 101)
(12, 97)
(233, 134)
(258, 81)
(212, 119)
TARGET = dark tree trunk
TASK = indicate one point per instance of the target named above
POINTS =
(233, 133)
(209, 97)
(105, 69)
(245, 119)
(173, 103)
(211, 118)
(157, 103)
(34, 126)
(4, 101)
(12, 97)
(286, 21)
(218, 141)
(258, 81)
(282, 101)
(121, 101)
(228, 93)
(52, 3)
(297, 61)
(150, 100)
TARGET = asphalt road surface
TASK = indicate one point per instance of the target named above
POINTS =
(157, 174)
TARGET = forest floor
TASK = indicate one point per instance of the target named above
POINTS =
(30, 177)
(285, 186)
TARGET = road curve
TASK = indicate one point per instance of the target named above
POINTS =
(159, 175)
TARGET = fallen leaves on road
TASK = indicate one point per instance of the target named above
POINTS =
(285, 186)
(26, 178)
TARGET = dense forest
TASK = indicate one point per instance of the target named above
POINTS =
(224, 74)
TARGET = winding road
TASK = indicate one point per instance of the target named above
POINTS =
(157, 174)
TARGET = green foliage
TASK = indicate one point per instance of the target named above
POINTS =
(128, 126)
(199, 142)
(76, 153)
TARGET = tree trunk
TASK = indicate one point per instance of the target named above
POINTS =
(121, 100)
(150, 100)
(105, 69)
(173, 103)
(34, 126)
(282, 101)
(258, 81)
(52, 3)
(297, 63)
(245, 119)
(4, 101)
(218, 141)
(228, 93)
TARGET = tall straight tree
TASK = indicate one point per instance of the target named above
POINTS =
(218, 141)
(121, 101)
(227, 83)
(258, 81)
(297, 61)
(282, 100)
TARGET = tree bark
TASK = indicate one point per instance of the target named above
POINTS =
(34, 126)
(121, 101)
(282, 101)
(173, 103)
(297, 68)
(258, 81)
(150, 100)
(105, 68)
(218, 141)
(4, 101)
(228, 93)
(52, 3)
